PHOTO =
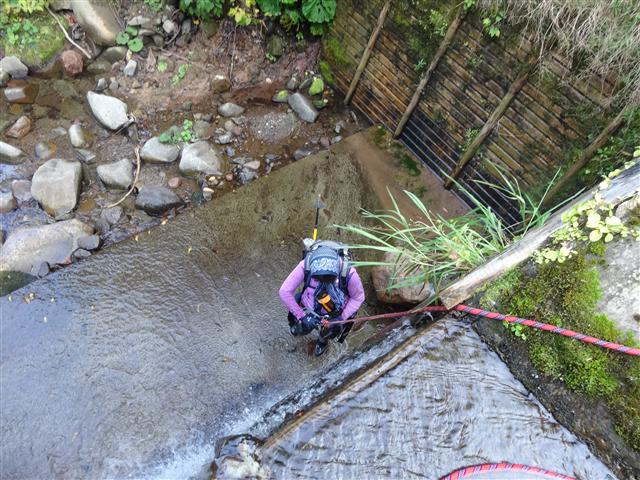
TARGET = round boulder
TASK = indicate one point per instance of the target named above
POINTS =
(56, 185)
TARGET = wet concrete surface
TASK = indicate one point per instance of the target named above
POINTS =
(110, 366)
(442, 403)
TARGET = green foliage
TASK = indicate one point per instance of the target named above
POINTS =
(326, 72)
(269, 56)
(122, 38)
(435, 248)
(135, 44)
(20, 32)
(176, 135)
(469, 136)
(16, 7)
(130, 39)
(618, 149)
(567, 295)
(319, 11)
(420, 65)
(439, 22)
(180, 74)
(591, 221)
(491, 23)
(317, 86)
(335, 52)
(202, 9)
(34, 39)
(155, 5)
(162, 66)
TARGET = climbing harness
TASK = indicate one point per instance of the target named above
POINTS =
(476, 471)
(505, 318)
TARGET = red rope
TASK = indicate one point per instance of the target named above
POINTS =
(504, 466)
(505, 318)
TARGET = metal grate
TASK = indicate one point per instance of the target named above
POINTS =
(439, 152)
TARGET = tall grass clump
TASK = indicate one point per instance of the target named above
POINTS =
(602, 36)
(433, 248)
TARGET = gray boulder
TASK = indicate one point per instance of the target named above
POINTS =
(396, 271)
(56, 185)
(21, 189)
(112, 215)
(109, 111)
(303, 107)
(9, 153)
(7, 202)
(113, 54)
(29, 247)
(78, 137)
(200, 157)
(230, 110)
(117, 175)
(14, 67)
(130, 68)
(90, 242)
(156, 200)
(99, 20)
(156, 151)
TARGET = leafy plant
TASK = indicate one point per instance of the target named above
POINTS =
(202, 8)
(176, 135)
(436, 248)
(122, 38)
(180, 74)
(14, 7)
(269, 56)
(420, 65)
(135, 44)
(492, 23)
(20, 32)
(517, 329)
(244, 15)
(155, 5)
(469, 136)
(129, 38)
(468, 5)
(162, 66)
(590, 221)
(439, 22)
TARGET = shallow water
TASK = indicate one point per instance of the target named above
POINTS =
(113, 366)
(450, 403)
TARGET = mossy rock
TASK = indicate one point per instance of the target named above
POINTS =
(44, 45)
(317, 86)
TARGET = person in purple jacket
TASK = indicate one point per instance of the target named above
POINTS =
(331, 290)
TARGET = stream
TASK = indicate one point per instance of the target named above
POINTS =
(443, 402)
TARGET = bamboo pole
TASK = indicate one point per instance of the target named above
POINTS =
(586, 155)
(442, 49)
(367, 52)
(493, 120)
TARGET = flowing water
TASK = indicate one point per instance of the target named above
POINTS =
(443, 402)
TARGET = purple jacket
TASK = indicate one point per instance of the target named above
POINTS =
(355, 292)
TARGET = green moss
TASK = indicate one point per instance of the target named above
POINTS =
(335, 53)
(48, 41)
(326, 72)
(566, 295)
(406, 160)
(380, 136)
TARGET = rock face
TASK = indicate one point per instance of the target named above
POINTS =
(31, 246)
(20, 128)
(109, 111)
(230, 110)
(56, 185)
(72, 62)
(156, 151)
(303, 107)
(200, 157)
(384, 276)
(117, 175)
(9, 153)
(7, 202)
(156, 200)
(98, 19)
(14, 67)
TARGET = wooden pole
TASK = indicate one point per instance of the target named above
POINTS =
(367, 52)
(442, 49)
(586, 155)
(493, 120)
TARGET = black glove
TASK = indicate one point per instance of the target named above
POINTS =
(310, 321)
